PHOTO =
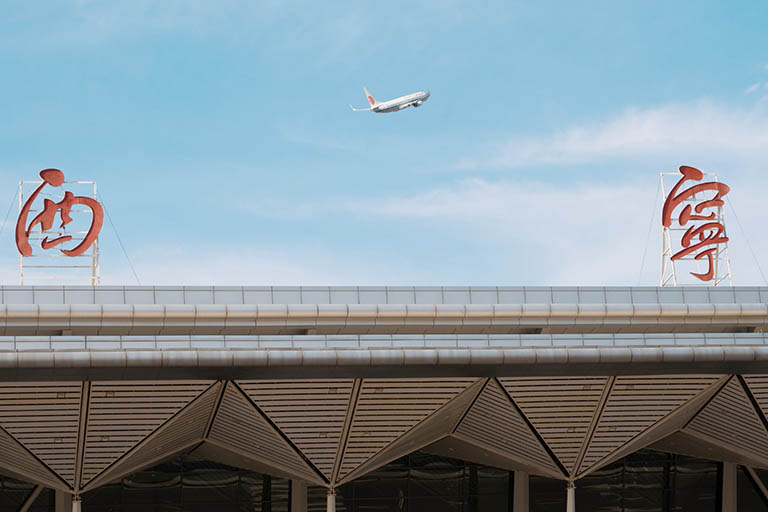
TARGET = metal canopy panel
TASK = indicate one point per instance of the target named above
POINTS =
(758, 386)
(493, 422)
(560, 409)
(388, 408)
(731, 420)
(668, 426)
(19, 463)
(44, 417)
(121, 414)
(210, 451)
(634, 405)
(310, 413)
(435, 427)
(241, 427)
(180, 433)
(456, 448)
(693, 445)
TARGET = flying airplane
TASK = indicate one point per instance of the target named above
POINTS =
(410, 100)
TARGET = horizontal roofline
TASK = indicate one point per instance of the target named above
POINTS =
(380, 295)
(375, 342)
(296, 319)
(424, 363)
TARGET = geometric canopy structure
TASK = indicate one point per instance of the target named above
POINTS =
(325, 385)
(478, 415)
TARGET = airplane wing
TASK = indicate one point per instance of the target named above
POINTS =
(359, 109)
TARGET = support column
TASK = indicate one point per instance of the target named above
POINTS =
(570, 504)
(520, 492)
(62, 501)
(331, 507)
(298, 496)
(65, 502)
(730, 486)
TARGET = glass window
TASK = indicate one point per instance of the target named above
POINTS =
(13, 493)
(750, 499)
(695, 484)
(642, 482)
(422, 482)
(645, 481)
(192, 486)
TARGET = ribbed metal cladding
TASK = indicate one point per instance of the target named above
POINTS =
(310, 413)
(494, 422)
(730, 419)
(19, 461)
(177, 434)
(123, 413)
(239, 425)
(438, 425)
(44, 417)
(388, 408)
(758, 385)
(637, 403)
(561, 409)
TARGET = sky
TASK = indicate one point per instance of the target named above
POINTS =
(225, 152)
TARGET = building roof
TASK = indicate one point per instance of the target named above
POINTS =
(326, 384)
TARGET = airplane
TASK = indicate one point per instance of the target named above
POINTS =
(410, 100)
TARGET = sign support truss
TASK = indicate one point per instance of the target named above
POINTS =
(51, 265)
(678, 272)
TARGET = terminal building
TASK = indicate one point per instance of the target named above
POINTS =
(415, 399)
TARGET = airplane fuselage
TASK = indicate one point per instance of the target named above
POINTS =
(410, 100)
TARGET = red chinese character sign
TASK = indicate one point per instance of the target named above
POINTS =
(694, 241)
(54, 222)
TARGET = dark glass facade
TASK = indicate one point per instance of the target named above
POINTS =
(422, 482)
(750, 497)
(192, 486)
(646, 481)
(14, 493)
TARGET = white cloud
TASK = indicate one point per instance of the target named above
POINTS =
(753, 88)
(251, 266)
(509, 232)
(698, 130)
(567, 235)
(577, 235)
(329, 31)
(535, 233)
(87, 22)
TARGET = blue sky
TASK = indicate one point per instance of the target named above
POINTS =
(223, 146)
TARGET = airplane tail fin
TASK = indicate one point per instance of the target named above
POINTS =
(371, 101)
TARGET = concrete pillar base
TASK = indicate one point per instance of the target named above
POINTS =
(331, 504)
